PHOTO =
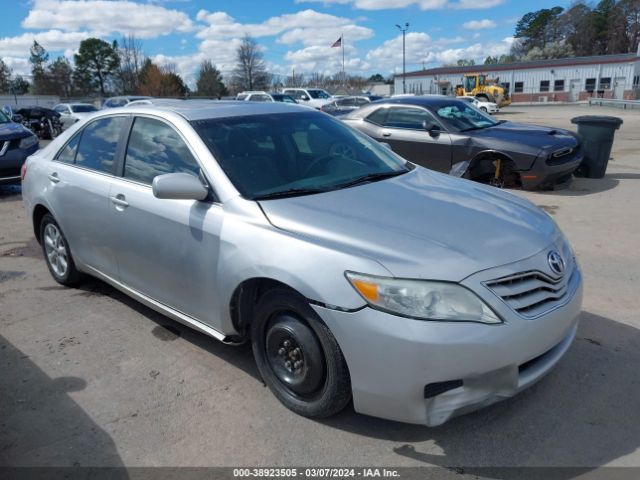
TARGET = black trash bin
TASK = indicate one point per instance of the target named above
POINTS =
(597, 133)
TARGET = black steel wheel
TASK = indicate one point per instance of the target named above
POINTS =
(298, 357)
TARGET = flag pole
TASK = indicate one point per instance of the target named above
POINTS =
(344, 77)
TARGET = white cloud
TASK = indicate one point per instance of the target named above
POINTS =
(421, 49)
(479, 24)
(315, 31)
(422, 4)
(19, 65)
(104, 17)
(52, 40)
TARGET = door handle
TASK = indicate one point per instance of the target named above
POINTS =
(54, 177)
(119, 201)
(386, 134)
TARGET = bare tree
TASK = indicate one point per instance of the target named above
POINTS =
(131, 60)
(250, 72)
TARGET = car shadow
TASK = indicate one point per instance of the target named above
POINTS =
(240, 356)
(581, 186)
(41, 425)
(583, 414)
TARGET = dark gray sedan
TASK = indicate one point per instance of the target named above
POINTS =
(448, 135)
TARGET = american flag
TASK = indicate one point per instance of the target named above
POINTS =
(337, 43)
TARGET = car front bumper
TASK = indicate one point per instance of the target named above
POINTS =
(545, 176)
(392, 359)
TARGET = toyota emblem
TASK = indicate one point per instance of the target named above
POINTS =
(556, 263)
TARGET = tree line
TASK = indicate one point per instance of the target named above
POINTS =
(102, 69)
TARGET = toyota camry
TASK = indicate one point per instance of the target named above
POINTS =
(353, 273)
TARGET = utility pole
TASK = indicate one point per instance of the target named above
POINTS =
(404, 68)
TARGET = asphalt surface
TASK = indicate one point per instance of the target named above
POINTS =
(89, 377)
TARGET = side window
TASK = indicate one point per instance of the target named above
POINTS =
(406, 117)
(154, 149)
(98, 144)
(378, 117)
(68, 153)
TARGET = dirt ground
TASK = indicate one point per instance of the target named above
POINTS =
(90, 377)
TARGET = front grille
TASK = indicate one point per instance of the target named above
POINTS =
(534, 293)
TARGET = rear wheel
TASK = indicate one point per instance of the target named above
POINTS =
(56, 252)
(297, 356)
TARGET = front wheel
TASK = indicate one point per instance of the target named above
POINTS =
(298, 357)
(484, 109)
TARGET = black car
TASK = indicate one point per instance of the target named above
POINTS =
(448, 135)
(16, 144)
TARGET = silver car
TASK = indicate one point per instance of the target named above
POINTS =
(353, 273)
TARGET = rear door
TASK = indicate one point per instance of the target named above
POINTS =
(168, 248)
(79, 180)
(403, 130)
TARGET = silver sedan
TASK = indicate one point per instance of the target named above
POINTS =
(353, 273)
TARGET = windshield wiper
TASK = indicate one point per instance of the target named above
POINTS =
(291, 192)
(372, 177)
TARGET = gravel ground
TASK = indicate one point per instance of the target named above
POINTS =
(90, 377)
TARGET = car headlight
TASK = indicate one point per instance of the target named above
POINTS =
(422, 299)
(29, 141)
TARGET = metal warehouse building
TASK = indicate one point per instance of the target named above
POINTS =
(558, 80)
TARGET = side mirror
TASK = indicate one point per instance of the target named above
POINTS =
(17, 118)
(432, 128)
(304, 97)
(179, 186)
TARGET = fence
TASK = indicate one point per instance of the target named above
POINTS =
(17, 101)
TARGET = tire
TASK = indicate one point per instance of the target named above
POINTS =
(57, 254)
(286, 329)
(484, 109)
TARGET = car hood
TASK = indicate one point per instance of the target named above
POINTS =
(421, 224)
(11, 130)
(537, 136)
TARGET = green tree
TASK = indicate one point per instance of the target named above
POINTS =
(38, 59)
(97, 63)
(20, 86)
(536, 29)
(209, 81)
(60, 77)
(464, 62)
(250, 72)
(376, 78)
(5, 77)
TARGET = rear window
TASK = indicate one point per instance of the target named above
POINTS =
(98, 144)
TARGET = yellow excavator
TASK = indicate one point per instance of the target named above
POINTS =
(478, 85)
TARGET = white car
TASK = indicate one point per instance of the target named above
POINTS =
(487, 107)
(312, 97)
(70, 113)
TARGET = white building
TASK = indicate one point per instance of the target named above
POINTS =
(559, 80)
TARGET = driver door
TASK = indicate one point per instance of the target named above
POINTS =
(403, 130)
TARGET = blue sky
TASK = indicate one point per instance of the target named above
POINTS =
(294, 34)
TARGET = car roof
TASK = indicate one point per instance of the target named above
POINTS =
(420, 101)
(205, 109)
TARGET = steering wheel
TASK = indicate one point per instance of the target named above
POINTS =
(337, 150)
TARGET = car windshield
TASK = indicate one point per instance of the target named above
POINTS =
(463, 117)
(318, 94)
(283, 98)
(290, 154)
(83, 108)
(3, 117)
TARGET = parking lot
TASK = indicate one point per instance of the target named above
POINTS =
(92, 377)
